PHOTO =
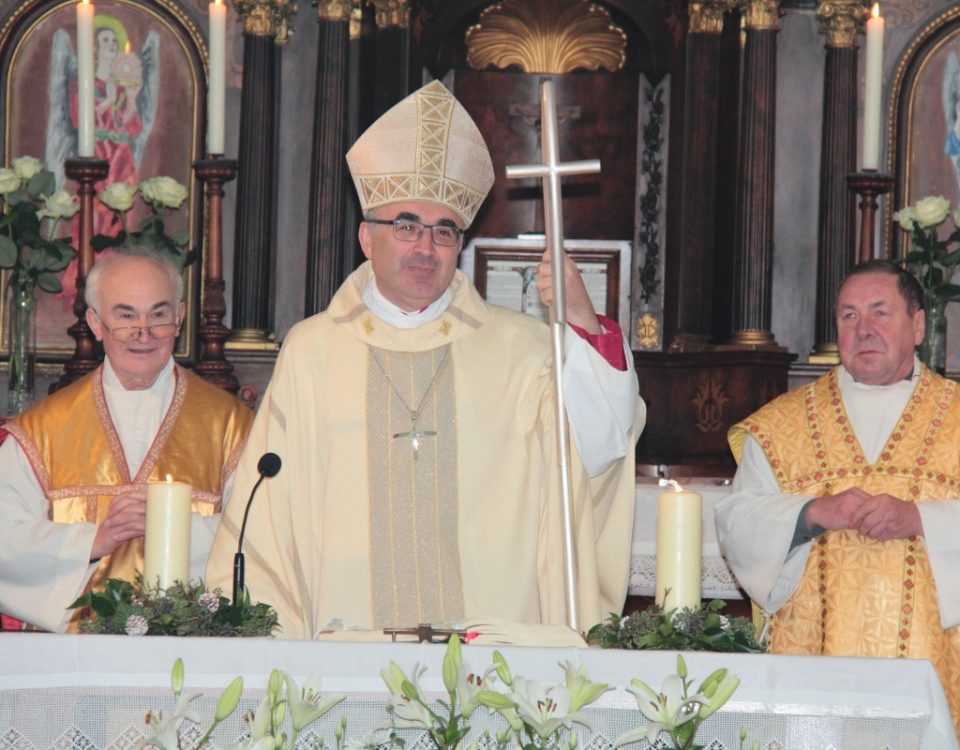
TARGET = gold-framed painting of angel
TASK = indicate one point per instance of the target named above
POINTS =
(147, 109)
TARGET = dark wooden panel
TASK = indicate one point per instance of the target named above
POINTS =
(694, 398)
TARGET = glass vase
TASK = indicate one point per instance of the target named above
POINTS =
(933, 349)
(22, 343)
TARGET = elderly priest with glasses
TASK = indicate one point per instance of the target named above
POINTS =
(416, 423)
(74, 467)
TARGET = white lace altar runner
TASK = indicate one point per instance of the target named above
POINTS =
(92, 692)
(717, 582)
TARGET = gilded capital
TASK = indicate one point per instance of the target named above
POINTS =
(392, 13)
(266, 17)
(334, 10)
(706, 16)
(841, 21)
(761, 15)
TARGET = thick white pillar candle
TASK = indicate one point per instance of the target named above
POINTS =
(217, 84)
(872, 94)
(166, 549)
(85, 61)
(679, 548)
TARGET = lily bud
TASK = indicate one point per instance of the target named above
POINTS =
(503, 671)
(176, 677)
(451, 664)
(229, 699)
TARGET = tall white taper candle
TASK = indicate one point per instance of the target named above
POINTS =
(872, 94)
(85, 62)
(216, 91)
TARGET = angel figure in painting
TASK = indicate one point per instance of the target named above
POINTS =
(950, 91)
(126, 87)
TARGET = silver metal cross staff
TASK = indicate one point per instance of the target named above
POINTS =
(550, 172)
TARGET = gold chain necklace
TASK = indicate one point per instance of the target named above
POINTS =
(414, 433)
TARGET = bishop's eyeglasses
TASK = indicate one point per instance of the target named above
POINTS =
(411, 230)
(126, 334)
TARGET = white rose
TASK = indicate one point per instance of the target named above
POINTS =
(26, 167)
(60, 205)
(931, 210)
(164, 192)
(8, 181)
(118, 196)
(905, 217)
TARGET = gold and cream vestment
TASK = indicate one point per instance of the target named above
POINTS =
(853, 596)
(364, 527)
(76, 456)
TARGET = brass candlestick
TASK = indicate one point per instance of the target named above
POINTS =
(213, 365)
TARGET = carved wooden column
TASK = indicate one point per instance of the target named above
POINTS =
(840, 21)
(698, 192)
(393, 54)
(753, 233)
(326, 246)
(264, 28)
(86, 173)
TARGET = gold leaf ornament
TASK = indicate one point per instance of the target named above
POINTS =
(548, 36)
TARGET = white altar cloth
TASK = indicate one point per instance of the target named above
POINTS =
(91, 692)
(716, 579)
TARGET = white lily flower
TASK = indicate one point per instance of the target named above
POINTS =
(582, 691)
(409, 709)
(167, 733)
(469, 686)
(372, 741)
(665, 710)
(544, 710)
(307, 704)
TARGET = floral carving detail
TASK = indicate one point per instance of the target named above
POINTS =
(710, 400)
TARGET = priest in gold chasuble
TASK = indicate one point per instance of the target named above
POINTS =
(74, 468)
(844, 521)
(416, 424)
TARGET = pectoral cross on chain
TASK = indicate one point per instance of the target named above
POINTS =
(415, 434)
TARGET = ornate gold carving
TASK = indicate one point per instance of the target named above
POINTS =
(334, 10)
(648, 331)
(710, 400)
(266, 17)
(841, 21)
(549, 36)
(356, 20)
(706, 16)
(392, 13)
(761, 15)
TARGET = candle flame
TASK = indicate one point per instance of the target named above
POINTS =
(84, 2)
(126, 48)
(169, 478)
(218, 2)
(672, 483)
(875, 10)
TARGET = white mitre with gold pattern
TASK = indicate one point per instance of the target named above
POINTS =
(425, 148)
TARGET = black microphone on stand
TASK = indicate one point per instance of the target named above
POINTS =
(267, 466)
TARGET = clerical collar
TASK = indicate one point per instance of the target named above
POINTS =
(390, 313)
(846, 379)
(111, 381)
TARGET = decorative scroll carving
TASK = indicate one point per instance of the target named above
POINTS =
(761, 15)
(709, 400)
(841, 21)
(706, 17)
(392, 14)
(550, 36)
(266, 17)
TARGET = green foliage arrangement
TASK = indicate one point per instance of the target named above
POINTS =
(184, 609)
(703, 629)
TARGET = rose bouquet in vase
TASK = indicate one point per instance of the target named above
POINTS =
(933, 259)
(34, 256)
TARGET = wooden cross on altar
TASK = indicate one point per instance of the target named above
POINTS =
(425, 633)
(550, 171)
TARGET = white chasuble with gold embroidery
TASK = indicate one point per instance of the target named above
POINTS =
(419, 480)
